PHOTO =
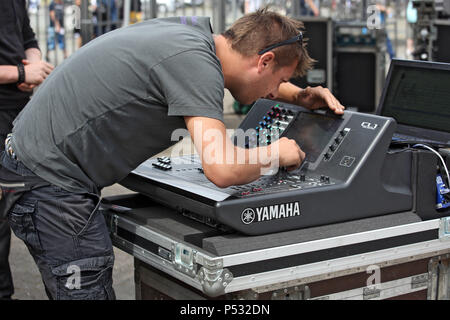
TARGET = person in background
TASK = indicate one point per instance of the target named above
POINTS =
(136, 15)
(21, 70)
(309, 8)
(135, 11)
(384, 13)
(77, 30)
(56, 29)
(411, 18)
(104, 16)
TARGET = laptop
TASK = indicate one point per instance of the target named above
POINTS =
(417, 95)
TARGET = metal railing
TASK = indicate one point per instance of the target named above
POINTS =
(87, 19)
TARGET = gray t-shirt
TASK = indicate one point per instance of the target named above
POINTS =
(116, 101)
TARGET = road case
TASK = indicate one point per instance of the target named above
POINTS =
(392, 256)
(319, 32)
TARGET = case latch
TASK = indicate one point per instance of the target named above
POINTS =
(184, 259)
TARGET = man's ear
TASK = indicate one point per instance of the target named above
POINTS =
(266, 61)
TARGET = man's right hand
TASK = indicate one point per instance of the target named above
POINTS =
(35, 73)
(290, 154)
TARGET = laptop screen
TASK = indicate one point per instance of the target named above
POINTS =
(418, 94)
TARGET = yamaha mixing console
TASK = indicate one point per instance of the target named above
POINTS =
(347, 174)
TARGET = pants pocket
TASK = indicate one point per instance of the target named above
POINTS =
(85, 279)
(96, 201)
(21, 220)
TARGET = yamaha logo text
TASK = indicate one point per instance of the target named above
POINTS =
(266, 213)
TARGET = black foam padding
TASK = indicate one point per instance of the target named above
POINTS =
(161, 219)
(355, 80)
(442, 45)
(168, 222)
(234, 243)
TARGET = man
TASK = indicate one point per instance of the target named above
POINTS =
(98, 116)
(384, 12)
(21, 69)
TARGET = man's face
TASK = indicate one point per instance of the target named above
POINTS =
(264, 84)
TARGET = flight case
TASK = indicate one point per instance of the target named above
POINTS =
(392, 256)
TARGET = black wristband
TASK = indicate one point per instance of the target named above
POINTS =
(21, 69)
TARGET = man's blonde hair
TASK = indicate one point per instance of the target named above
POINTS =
(263, 28)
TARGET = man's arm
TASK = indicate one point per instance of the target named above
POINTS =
(225, 165)
(35, 73)
(28, 35)
(8, 74)
(311, 97)
(36, 70)
(313, 7)
(33, 55)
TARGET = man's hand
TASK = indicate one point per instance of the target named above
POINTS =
(319, 97)
(311, 98)
(26, 87)
(224, 164)
(35, 73)
(291, 156)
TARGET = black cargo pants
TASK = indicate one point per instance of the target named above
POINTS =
(67, 236)
(7, 116)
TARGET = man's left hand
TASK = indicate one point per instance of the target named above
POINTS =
(319, 97)
(26, 87)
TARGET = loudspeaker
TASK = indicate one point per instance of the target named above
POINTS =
(319, 32)
(441, 46)
(359, 77)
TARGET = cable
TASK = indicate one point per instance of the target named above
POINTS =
(440, 157)
(399, 150)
